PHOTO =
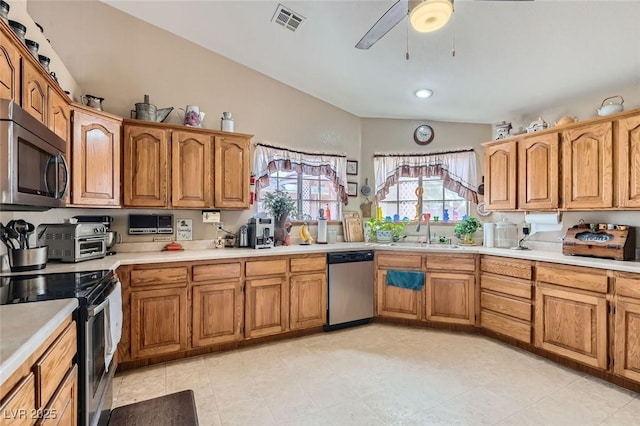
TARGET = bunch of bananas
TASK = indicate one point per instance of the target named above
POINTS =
(304, 234)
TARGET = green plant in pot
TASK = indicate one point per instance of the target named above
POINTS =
(280, 205)
(466, 229)
(384, 231)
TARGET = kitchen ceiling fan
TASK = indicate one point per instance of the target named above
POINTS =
(425, 16)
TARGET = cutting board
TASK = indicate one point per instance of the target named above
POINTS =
(352, 227)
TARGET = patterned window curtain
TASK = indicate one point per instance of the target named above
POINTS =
(457, 169)
(269, 158)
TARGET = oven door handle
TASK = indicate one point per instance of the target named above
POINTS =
(92, 311)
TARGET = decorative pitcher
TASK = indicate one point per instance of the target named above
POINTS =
(192, 116)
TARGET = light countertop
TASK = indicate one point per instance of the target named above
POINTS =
(132, 258)
(23, 328)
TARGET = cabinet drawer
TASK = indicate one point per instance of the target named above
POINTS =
(628, 285)
(20, 399)
(159, 276)
(54, 364)
(218, 271)
(505, 266)
(449, 262)
(306, 264)
(62, 410)
(571, 276)
(399, 261)
(505, 285)
(506, 306)
(255, 268)
(519, 330)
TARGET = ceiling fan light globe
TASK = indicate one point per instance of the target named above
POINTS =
(431, 15)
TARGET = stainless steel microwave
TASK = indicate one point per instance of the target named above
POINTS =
(35, 175)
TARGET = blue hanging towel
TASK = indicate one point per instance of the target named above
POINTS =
(412, 280)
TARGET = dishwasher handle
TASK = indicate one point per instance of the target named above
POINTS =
(350, 256)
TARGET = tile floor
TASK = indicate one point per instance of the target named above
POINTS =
(384, 375)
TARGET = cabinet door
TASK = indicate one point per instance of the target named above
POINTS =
(191, 169)
(451, 297)
(95, 160)
(34, 91)
(9, 69)
(629, 162)
(231, 170)
(266, 306)
(626, 357)
(308, 300)
(573, 325)
(146, 167)
(217, 313)
(538, 172)
(500, 175)
(59, 116)
(397, 302)
(587, 166)
(158, 322)
(20, 399)
(63, 408)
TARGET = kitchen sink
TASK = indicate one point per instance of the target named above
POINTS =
(418, 246)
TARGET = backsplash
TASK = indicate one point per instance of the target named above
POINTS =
(205, 233)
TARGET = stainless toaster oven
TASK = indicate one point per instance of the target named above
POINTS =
(73, 242)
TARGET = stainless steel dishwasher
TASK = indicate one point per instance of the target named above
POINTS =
(351, 281)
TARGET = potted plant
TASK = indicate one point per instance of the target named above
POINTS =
(280, 205)
(466, 229)
(384, 231)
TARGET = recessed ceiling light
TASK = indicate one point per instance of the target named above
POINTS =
(424, 93)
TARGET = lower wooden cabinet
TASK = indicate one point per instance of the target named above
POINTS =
(63, 408)
(572, 324)
(450, 297)
(626, 347)
(217, 313)
(158, 322)
(21, 397)
(266, 304)
(308, 300)
(398, 302)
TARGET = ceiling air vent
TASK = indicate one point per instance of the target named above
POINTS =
(287, 18)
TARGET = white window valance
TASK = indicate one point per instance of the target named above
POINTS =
(457, 169)
(268, 158)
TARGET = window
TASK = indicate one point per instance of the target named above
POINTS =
(402, 200)
(311, 193)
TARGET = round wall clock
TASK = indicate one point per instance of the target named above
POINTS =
(423, 135)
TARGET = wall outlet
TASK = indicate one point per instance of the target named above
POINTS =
(162, 239)
(210, 216)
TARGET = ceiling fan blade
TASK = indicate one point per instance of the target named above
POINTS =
(390, 19)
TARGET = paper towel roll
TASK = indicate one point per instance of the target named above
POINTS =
(551, 218)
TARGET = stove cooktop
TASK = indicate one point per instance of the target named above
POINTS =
(85, 286)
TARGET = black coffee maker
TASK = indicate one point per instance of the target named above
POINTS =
(112, 236)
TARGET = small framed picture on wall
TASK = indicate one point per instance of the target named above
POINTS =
(352, 189)
(352, 167)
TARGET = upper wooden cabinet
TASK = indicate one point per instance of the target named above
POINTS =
(191, 169)
(59, 117)
(232, 173)
(587, 154)
(9, 69)
(34, 91)
(500, 175)
(146, 166)
(538, 172)
(176, 166)
(629, 162)
(95, 160)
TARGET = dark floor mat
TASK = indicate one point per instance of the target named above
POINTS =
(177, 409)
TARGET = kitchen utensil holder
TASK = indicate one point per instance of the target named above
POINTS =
(28, 259)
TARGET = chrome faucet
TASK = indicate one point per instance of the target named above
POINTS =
(428, 230)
